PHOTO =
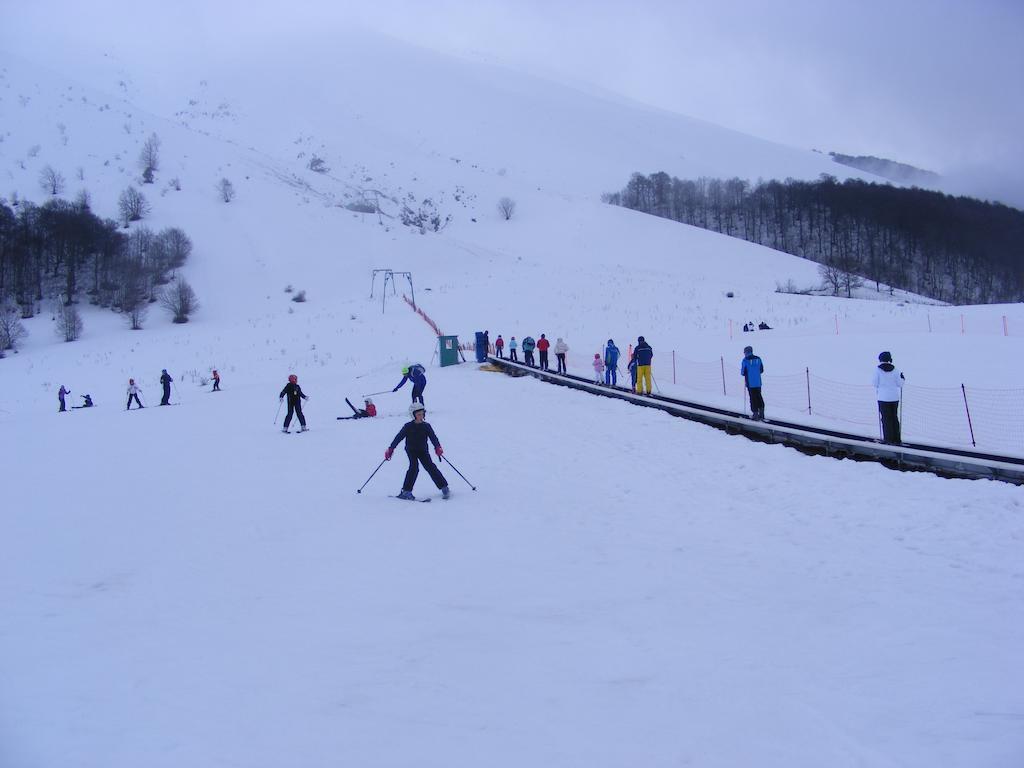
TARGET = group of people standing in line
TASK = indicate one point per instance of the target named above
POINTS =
(887, 380)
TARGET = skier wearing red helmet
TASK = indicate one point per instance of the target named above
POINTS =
(293, 392)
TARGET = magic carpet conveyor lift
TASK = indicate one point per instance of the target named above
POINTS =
(940, 460)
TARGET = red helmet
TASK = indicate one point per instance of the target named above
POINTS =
(293, 379)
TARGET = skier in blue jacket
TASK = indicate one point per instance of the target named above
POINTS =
(751, 369)
(417, 375)
(611, 363)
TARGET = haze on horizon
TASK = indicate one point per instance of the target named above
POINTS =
(931, 83)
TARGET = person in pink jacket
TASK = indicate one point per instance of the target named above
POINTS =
(598, 369)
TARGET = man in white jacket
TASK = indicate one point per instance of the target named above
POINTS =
(561, 348)
(888, 382)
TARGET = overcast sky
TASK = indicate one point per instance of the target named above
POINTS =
(935, 83)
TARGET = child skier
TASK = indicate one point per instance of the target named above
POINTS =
(416, 433)
(598, 369)
(133, 392)
(561, 350)
(216, 381)
(367, 411)
(499, 346)
(295, 397)
(512, 346)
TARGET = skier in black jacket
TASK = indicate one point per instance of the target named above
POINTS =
(165, 380)
(295, 397)
(415, 433)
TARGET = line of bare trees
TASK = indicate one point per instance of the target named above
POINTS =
(61, 250)
(954, 249)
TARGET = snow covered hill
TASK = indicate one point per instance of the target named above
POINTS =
(188, 586)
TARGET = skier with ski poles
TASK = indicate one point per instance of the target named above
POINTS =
(133, 392)
(643, 354)
(165, 380)
(416, 433)
(295, 396)
(417, 375)
(611, 364)
(64, 392)
(888, 382)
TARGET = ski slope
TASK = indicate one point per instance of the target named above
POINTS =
(189, 586)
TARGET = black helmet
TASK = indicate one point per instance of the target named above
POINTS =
(748, 350)
(640, 340)
(885, 357)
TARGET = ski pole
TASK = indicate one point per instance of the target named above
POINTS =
(458, 473)
(280, 402)
(385, 392)
(374, 473)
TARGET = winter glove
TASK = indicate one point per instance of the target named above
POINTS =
(439, 451)
(387, 454)
(280, 399)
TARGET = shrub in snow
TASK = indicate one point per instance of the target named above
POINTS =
(68, 321)
(226, 190)
(507, 206)
(180, 300)
(149, 158)
(299, 297)
(11, 329)
(132, 205)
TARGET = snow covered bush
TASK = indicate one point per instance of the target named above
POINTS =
(299, 297)
(507, 206)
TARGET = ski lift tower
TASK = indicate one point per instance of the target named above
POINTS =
(389, 276)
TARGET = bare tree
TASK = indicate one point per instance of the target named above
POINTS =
(177, 245)
(831, 277)
(135, 305)
(507, 206)
(51, 181)
(226, 190)
(180, 300)
(132, 206)
(149, 158)
(11, 329)
(69, 322)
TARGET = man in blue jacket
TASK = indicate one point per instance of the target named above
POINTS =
(643, 354)
(611, 363)
(417, 374)
(751, 369)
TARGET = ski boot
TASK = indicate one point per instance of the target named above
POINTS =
(286, 431)
(445, 493)
(304, 429)
(406, 495)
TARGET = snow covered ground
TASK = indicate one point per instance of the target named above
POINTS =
(188, 586)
